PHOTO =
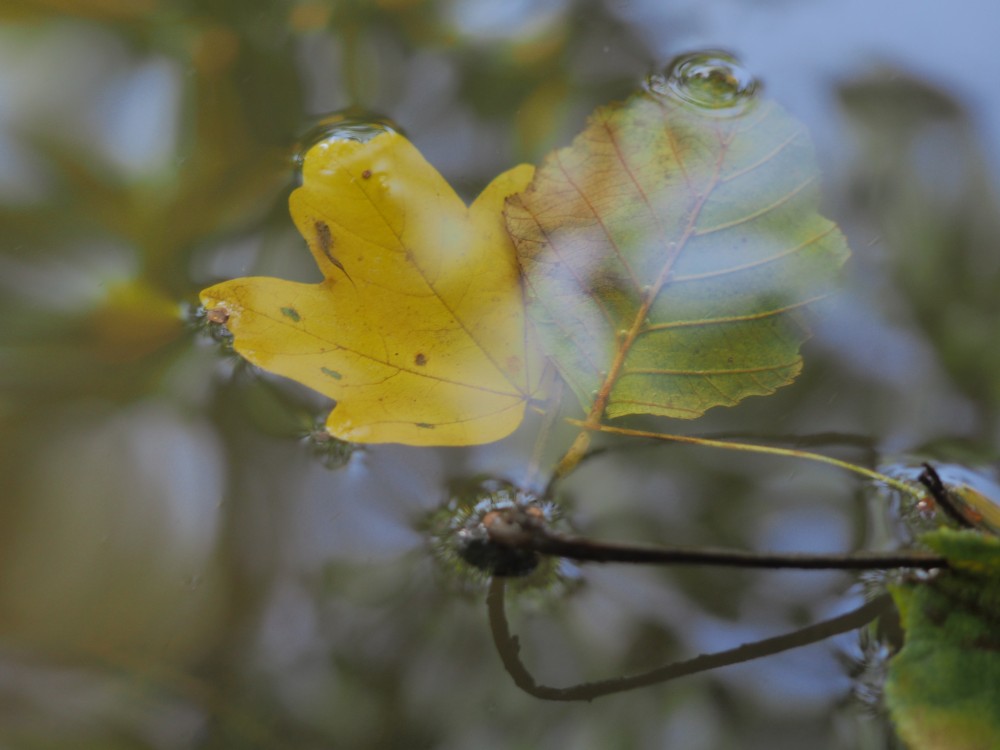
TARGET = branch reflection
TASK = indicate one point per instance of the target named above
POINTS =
(508, 647)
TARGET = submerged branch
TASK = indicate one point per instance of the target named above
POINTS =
(508, 647)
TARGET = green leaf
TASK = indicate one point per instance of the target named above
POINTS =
(668, 253)
(943, 688)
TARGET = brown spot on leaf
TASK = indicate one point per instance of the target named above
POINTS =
(420, 360)
(324, 238)
(325, 242)
(425, 426)
(366, 174)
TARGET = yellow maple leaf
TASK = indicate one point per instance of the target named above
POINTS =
(418, 329)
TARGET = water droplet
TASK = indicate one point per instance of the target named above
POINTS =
(711, 79)
(349, 125)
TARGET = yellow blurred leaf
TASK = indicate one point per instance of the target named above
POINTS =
(135, 320)
(418, 329)
(977, 507)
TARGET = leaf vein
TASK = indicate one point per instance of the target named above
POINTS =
(733, 318)
(707, 373)
(754, 264)
(760, 212)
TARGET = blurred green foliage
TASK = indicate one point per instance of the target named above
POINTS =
(149, 517)
(175, 570)
(923, 179)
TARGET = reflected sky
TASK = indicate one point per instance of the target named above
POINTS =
(177, 570)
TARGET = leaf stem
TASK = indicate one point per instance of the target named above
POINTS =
(626, 337)
(574, 455)
(752, 448)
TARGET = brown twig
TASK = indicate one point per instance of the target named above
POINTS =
(516, 529)
(930, 479)
(508, 647)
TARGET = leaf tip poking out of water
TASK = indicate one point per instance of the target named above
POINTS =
(943, 687)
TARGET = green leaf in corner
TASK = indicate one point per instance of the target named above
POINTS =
(943, 688)
(668, 253)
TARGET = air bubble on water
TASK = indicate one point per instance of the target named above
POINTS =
(711, 80)
(460, 539)
(350, 125)
(211, 322)
(332, 452)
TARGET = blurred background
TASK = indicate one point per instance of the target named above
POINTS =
(185, 564)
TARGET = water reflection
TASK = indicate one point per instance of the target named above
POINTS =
(128, 503)
(922, 176)
(178, 571)
(349, 125)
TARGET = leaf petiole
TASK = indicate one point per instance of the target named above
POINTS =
(751, 448)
